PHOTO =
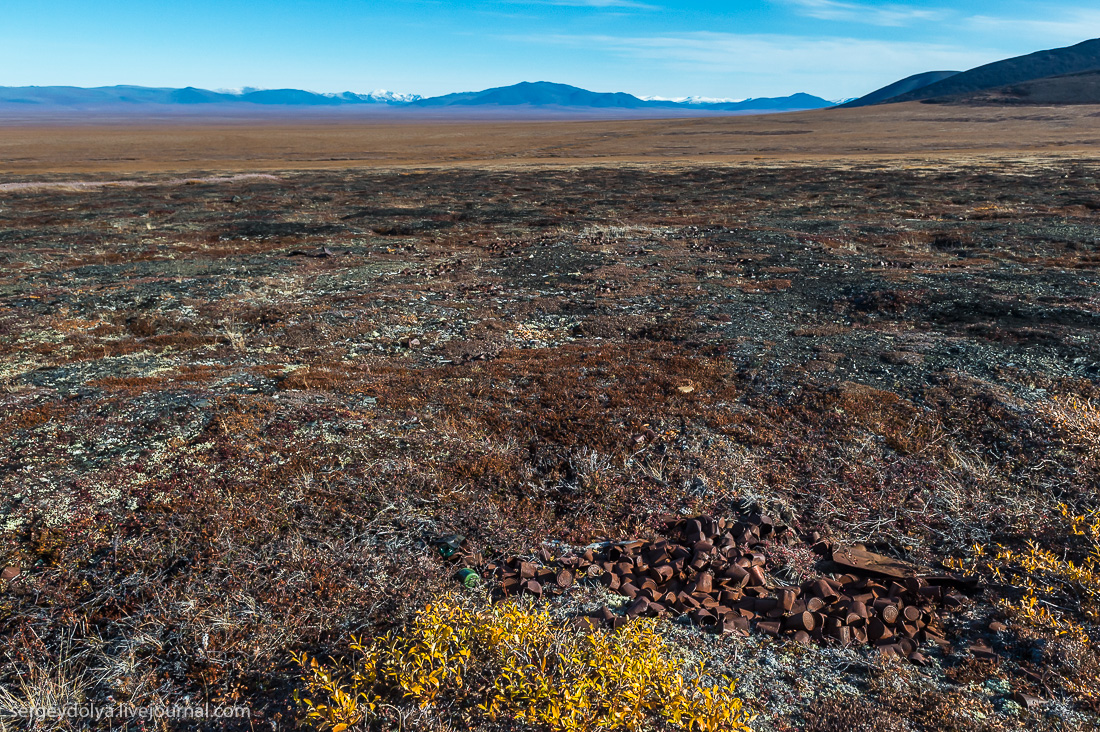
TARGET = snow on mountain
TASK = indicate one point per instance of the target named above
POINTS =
(694, 100)
(384, 95)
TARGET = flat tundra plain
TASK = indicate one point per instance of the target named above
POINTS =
(251, 372)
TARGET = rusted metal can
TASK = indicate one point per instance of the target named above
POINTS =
(771, 627)
(878, 630)
(800, 621)
(756, 576)
(825, 591)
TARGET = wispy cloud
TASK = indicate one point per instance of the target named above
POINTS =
(1057, 24)
(732, 52)
(878, 14)
(775, 64)
(603, 4)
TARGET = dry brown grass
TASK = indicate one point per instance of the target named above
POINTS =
(913, 132)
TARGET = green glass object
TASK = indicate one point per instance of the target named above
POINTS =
(469, 578)
(450, 545)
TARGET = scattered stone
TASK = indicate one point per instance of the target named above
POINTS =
(819, 366)
(318, 253)
(902, 358)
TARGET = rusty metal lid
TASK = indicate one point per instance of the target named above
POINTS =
(851, 557)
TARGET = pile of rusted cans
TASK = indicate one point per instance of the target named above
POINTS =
(716, 573)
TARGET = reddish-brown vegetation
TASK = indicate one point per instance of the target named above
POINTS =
(213, 454)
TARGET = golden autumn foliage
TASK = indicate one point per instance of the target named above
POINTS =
(511, 661)
(1043, 575)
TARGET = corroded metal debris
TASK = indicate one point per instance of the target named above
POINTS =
(714, 572)
(861, 560)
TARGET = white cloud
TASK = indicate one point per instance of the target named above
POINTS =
(772, 65)
(780, 54)
(1069, 25)
(888, 15)
(610, 4)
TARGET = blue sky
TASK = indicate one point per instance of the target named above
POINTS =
(733, 49)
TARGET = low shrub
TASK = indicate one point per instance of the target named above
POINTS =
(513, 661)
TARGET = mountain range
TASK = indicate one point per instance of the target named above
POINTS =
(1056, 76)
(74, 96)
(541, 94)
(1068, 75)
(545, 93)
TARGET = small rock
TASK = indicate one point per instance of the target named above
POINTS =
(816, 366)
(902, 358)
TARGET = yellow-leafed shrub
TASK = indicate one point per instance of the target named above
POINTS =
(511, 661)
(1077, 419)
(1052, 583)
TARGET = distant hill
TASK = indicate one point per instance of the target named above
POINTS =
(793, 103)
(905, 86)
(539, 94)
(109, 96)
(545, 93)
(1018, 70)
(73, 96)
(1082, 88)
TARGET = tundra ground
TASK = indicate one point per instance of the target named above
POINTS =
(234, 414)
